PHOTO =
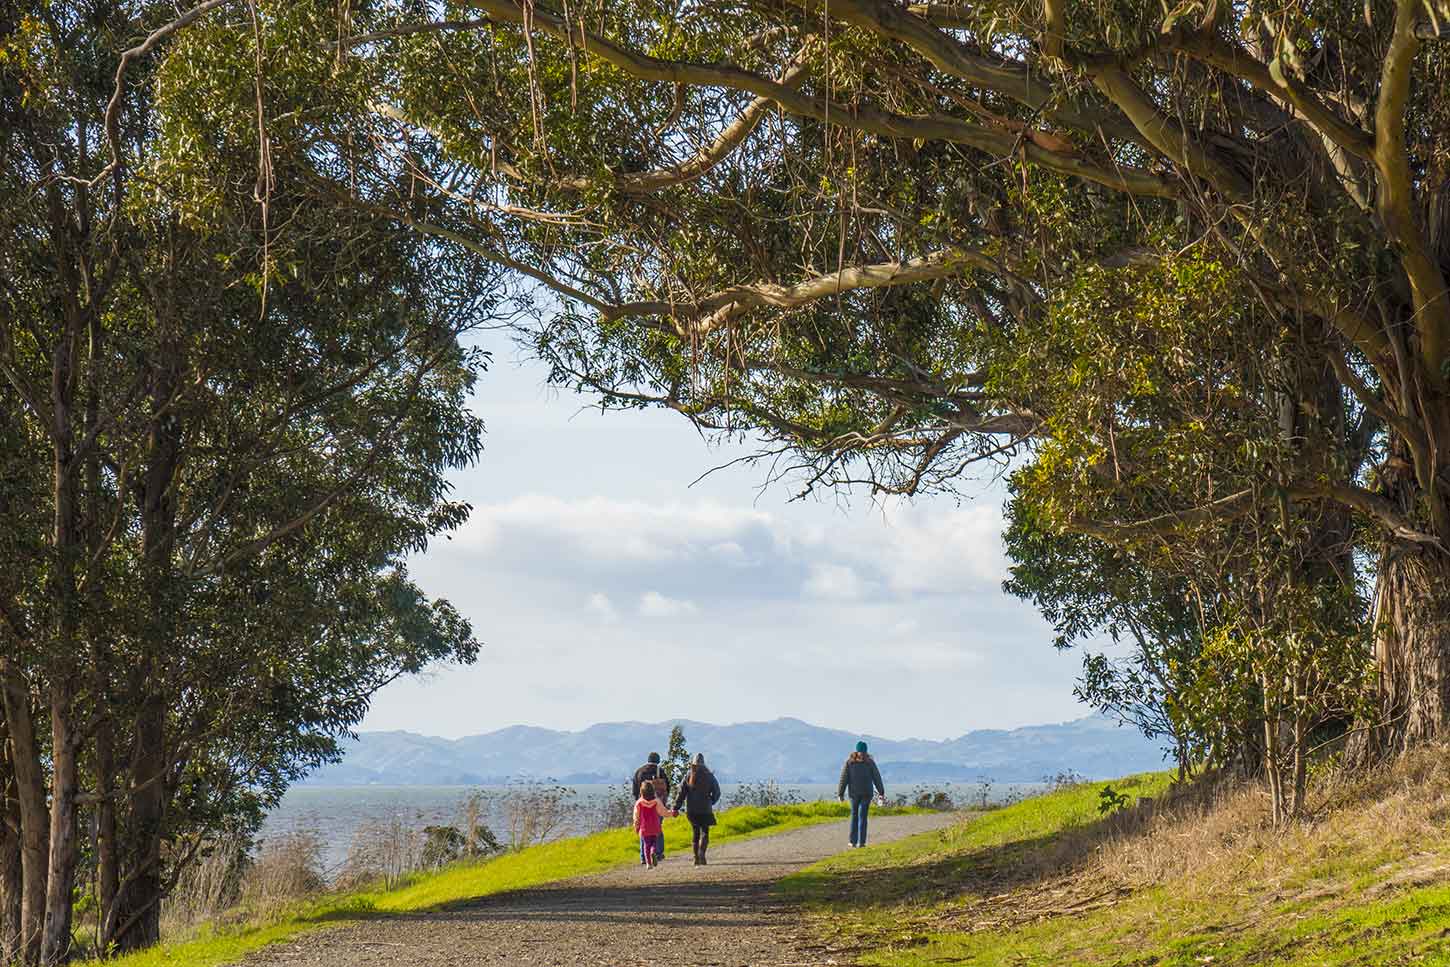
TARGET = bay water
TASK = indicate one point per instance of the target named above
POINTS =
(337, 815)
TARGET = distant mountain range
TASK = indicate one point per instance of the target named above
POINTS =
(786, 749)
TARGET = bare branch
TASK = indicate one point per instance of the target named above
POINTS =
(113, 106)
(1011, 79)
(727, 304)
(706, 158)
(1243, 502)
(1167, 135)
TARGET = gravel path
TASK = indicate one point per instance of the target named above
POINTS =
(677, 915)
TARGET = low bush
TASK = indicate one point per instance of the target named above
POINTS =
(764, 794)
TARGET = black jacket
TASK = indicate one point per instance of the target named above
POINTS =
(700, 796)
(650, 770)
(859, 774)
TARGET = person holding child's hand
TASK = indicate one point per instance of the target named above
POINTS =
(698, 794)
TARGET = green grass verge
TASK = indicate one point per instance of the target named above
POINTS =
(537, 865)
(934, 899)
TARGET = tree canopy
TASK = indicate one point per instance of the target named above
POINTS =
(1188, 264)
(230, 408)
(1180, 270)
(1192, 261)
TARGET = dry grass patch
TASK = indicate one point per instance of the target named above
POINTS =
(1183, 876)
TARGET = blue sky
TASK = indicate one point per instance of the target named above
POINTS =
(605, 587)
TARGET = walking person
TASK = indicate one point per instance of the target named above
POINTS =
(699, 793)
(859, 775)
(651, 773)
(649, 813)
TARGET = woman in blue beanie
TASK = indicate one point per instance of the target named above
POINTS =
(859, 775)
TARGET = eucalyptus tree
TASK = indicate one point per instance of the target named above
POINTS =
(830, 223)
(230, 408)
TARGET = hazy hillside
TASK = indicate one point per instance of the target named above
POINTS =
(785, 749)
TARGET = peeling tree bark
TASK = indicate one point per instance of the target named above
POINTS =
(1412, 646)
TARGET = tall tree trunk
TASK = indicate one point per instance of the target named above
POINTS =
(107, 875)
(135, 920)
(1412, 645)
(11, 884)
(102, 656)
(138, 920)
(64, 827)
(30, 805)
(64, 850)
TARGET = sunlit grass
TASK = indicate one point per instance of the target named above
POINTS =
(1046, 883)
(535, 866)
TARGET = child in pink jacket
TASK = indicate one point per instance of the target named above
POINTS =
(648, 813)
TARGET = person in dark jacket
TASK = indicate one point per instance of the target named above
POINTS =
(859, 775)
(651, 771)
(699, 793)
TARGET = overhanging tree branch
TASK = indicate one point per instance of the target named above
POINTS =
(1396, 193)
(725, 305)
(1207, 47)
(861, 117)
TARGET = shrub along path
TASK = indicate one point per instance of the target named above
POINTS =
(726, 914)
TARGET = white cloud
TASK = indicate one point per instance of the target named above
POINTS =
(941, 551)
(836, 581)
(652, 604)
(731, 553)
(933, 656)
(600, 605)
(609, 530)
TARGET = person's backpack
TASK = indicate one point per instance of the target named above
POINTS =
(657, 780)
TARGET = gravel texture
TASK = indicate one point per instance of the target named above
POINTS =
(676, 915)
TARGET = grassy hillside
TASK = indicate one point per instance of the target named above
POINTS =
(1178, 880)
(534, 866)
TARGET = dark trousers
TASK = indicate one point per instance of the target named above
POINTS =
(700, 834)
(860, 809)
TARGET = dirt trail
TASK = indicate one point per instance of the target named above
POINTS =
(677, 915)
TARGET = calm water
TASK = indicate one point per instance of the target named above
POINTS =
(337, 813)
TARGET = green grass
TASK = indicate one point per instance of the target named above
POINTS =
(534, 866)
(920, 867)
(986, 893)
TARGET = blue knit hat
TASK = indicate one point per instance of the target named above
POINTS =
(860, 746)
